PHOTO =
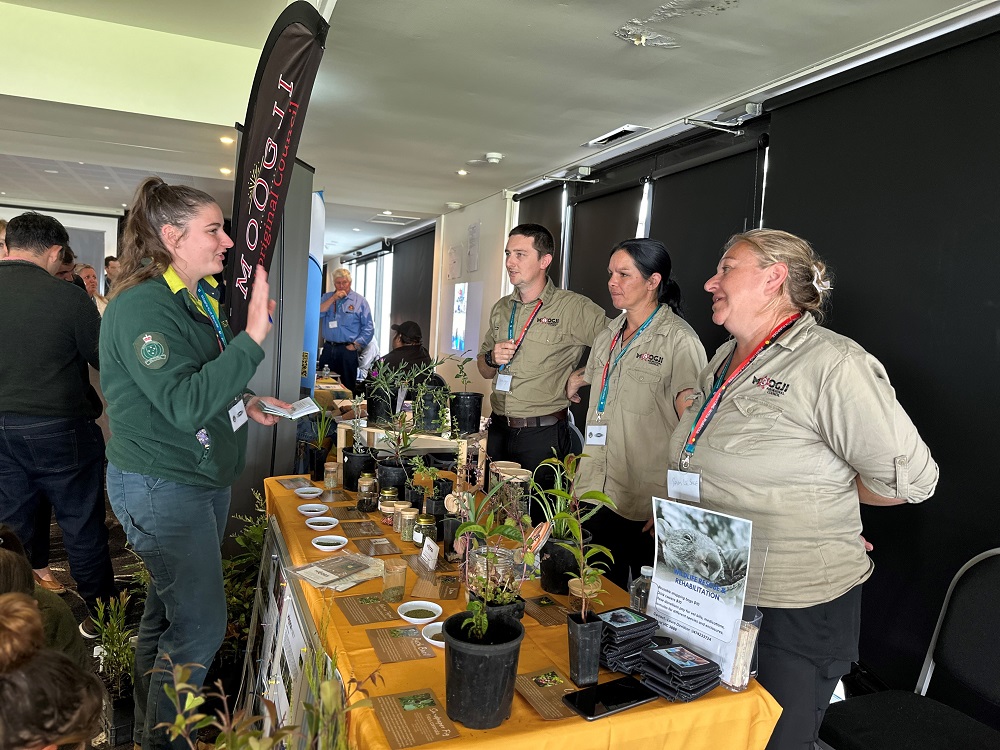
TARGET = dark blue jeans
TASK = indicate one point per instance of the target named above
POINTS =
(59, 461)
(177, 530)
(342, 361)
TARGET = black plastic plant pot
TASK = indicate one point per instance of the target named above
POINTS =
(443, 487)
(447, 527)
(466, 410)
(380, 409)
(496, 611)
(356, 464)
(427, 414)
(479, 675)
(317, 460)
(392, 474)
(415, 497)
(435, 506)
(117, 720)
(555, 563)
(584, 648)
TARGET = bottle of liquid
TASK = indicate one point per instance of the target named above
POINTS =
(640, 589)
(326, 371)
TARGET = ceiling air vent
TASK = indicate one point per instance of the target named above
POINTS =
(396, 220)
(618, 134)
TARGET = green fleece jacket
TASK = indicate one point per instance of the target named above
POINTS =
(169, 387)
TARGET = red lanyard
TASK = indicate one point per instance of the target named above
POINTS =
(510, 328)
(711, 406)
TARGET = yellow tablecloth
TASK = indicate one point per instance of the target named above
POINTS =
(720, 720)
(329, 389)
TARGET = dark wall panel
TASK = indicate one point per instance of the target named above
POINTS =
(545, 208)
(903, 202)
(598, 224)
(693, 213)
(412, 282)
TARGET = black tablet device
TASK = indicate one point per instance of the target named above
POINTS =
(609, 698)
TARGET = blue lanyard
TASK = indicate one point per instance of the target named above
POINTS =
(610, 366)
(210, 312)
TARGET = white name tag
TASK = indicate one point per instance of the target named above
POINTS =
(238, 414)
(333, 324)
(684, 485)
(503, 383)
(597, 434)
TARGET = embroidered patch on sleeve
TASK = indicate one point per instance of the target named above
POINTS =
(152, 350)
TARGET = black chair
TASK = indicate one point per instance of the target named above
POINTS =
(965, 646)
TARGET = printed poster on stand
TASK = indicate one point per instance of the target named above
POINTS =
(699, 578)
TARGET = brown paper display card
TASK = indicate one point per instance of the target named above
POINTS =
(546, 610)
(377, 546)
(413, 718)
(342, 513)
(355, 529)
(295, 483)
(400, 643)
(443, 587)
(366, 609)
(544, 690)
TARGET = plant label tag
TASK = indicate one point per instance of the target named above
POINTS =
(597, 434)
(503, 383)
(333, 324)
(429, 554)
(684, 486)
(238, 414)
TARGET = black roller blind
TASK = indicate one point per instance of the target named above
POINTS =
(894, 180)
(693, 213)
(412, 282)
(598, 224)
(545, 208)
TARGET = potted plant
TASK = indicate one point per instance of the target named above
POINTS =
(317, 447)
(415, 493)
(430, 405)
(584, 626)
(358, 460)
(117, 658)
(494, 572)
(466, 406)
(560, 504)
(481, 655)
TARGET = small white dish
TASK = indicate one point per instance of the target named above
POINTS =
(313, 509)
(309, 493)
(329, 542)
(405, 607)
(430, 631)
(321, 523)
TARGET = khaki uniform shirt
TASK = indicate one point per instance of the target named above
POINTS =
(565, 325)
(662, 361)
(811, 413)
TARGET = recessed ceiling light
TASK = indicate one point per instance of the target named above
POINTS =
(227, 140)
(106, 187)
(225, 170)
(462, 172)
(2, 193)
(79, 162)
(355, 229)
(452, 205)
(124, 205)
(387, 213)
(51, 171)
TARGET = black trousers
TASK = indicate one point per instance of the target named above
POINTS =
(631, 546)
(342, 361)
(529, 446)
(801, 655)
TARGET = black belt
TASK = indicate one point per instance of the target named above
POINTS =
(339, 343)
(546, 420)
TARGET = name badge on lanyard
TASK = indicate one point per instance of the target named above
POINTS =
(503, 383)
(504, 379)
(597, 434)
(238, 413)
(684, 486)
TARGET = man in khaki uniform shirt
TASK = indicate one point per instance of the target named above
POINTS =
(529, 381)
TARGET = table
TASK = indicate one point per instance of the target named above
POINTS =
(329, 390)
(717, 721)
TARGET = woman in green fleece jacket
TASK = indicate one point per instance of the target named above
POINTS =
(175, 379)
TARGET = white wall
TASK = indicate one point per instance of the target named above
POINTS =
(493, 215)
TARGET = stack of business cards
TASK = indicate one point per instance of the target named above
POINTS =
(678, 673)
(626, 633)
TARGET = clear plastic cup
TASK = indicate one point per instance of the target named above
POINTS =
(744, 665)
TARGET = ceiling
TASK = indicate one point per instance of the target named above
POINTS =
(407, 93)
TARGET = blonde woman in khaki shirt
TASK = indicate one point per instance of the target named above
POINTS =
(794, 441)
(639, 363)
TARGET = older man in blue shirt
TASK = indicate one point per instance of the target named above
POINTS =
(346, 326)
